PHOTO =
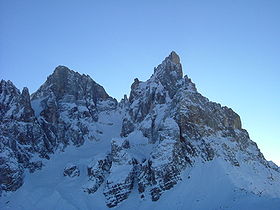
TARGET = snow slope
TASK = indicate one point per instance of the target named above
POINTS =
(49, 189)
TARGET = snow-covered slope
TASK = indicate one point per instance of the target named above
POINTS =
(164, 147)
(206, 186)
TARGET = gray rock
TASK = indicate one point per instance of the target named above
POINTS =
(97, 171)
(11, 172)
(122, 173)
(64, 99)
(20, 134)
(71, 171)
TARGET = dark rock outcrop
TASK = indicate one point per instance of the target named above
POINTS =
(121, 179)
(64, 99)
(21, 136)
(11, 172)
(71, 171)
(97, 172)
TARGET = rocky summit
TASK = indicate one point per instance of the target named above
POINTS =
(70, 145)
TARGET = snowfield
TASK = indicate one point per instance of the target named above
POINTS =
(209, 185)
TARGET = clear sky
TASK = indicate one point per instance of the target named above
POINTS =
(230, 49)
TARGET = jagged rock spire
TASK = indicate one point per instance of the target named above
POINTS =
(171, 66)
(169, 72)
(174, 57)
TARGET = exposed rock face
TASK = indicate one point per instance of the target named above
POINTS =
(162, 170)
(15, 105)
(11, 172)
(169, 72)
(21, 136)
(97, 171)
(120, 181)
(66, 98)
(65, 82)
(71, 171)
(167, 128)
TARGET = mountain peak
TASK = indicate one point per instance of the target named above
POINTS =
(169, 72)
(61, 71)
(61, 68)
(174, 57)
(170, 66)
(64, 82)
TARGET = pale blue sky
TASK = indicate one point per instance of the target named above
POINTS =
(229, 48)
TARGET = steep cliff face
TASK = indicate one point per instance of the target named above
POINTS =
(143, 145)
(21, 137)
(67, 107)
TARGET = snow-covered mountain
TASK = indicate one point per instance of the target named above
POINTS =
(71, 146)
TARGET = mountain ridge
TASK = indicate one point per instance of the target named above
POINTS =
(148, 140)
